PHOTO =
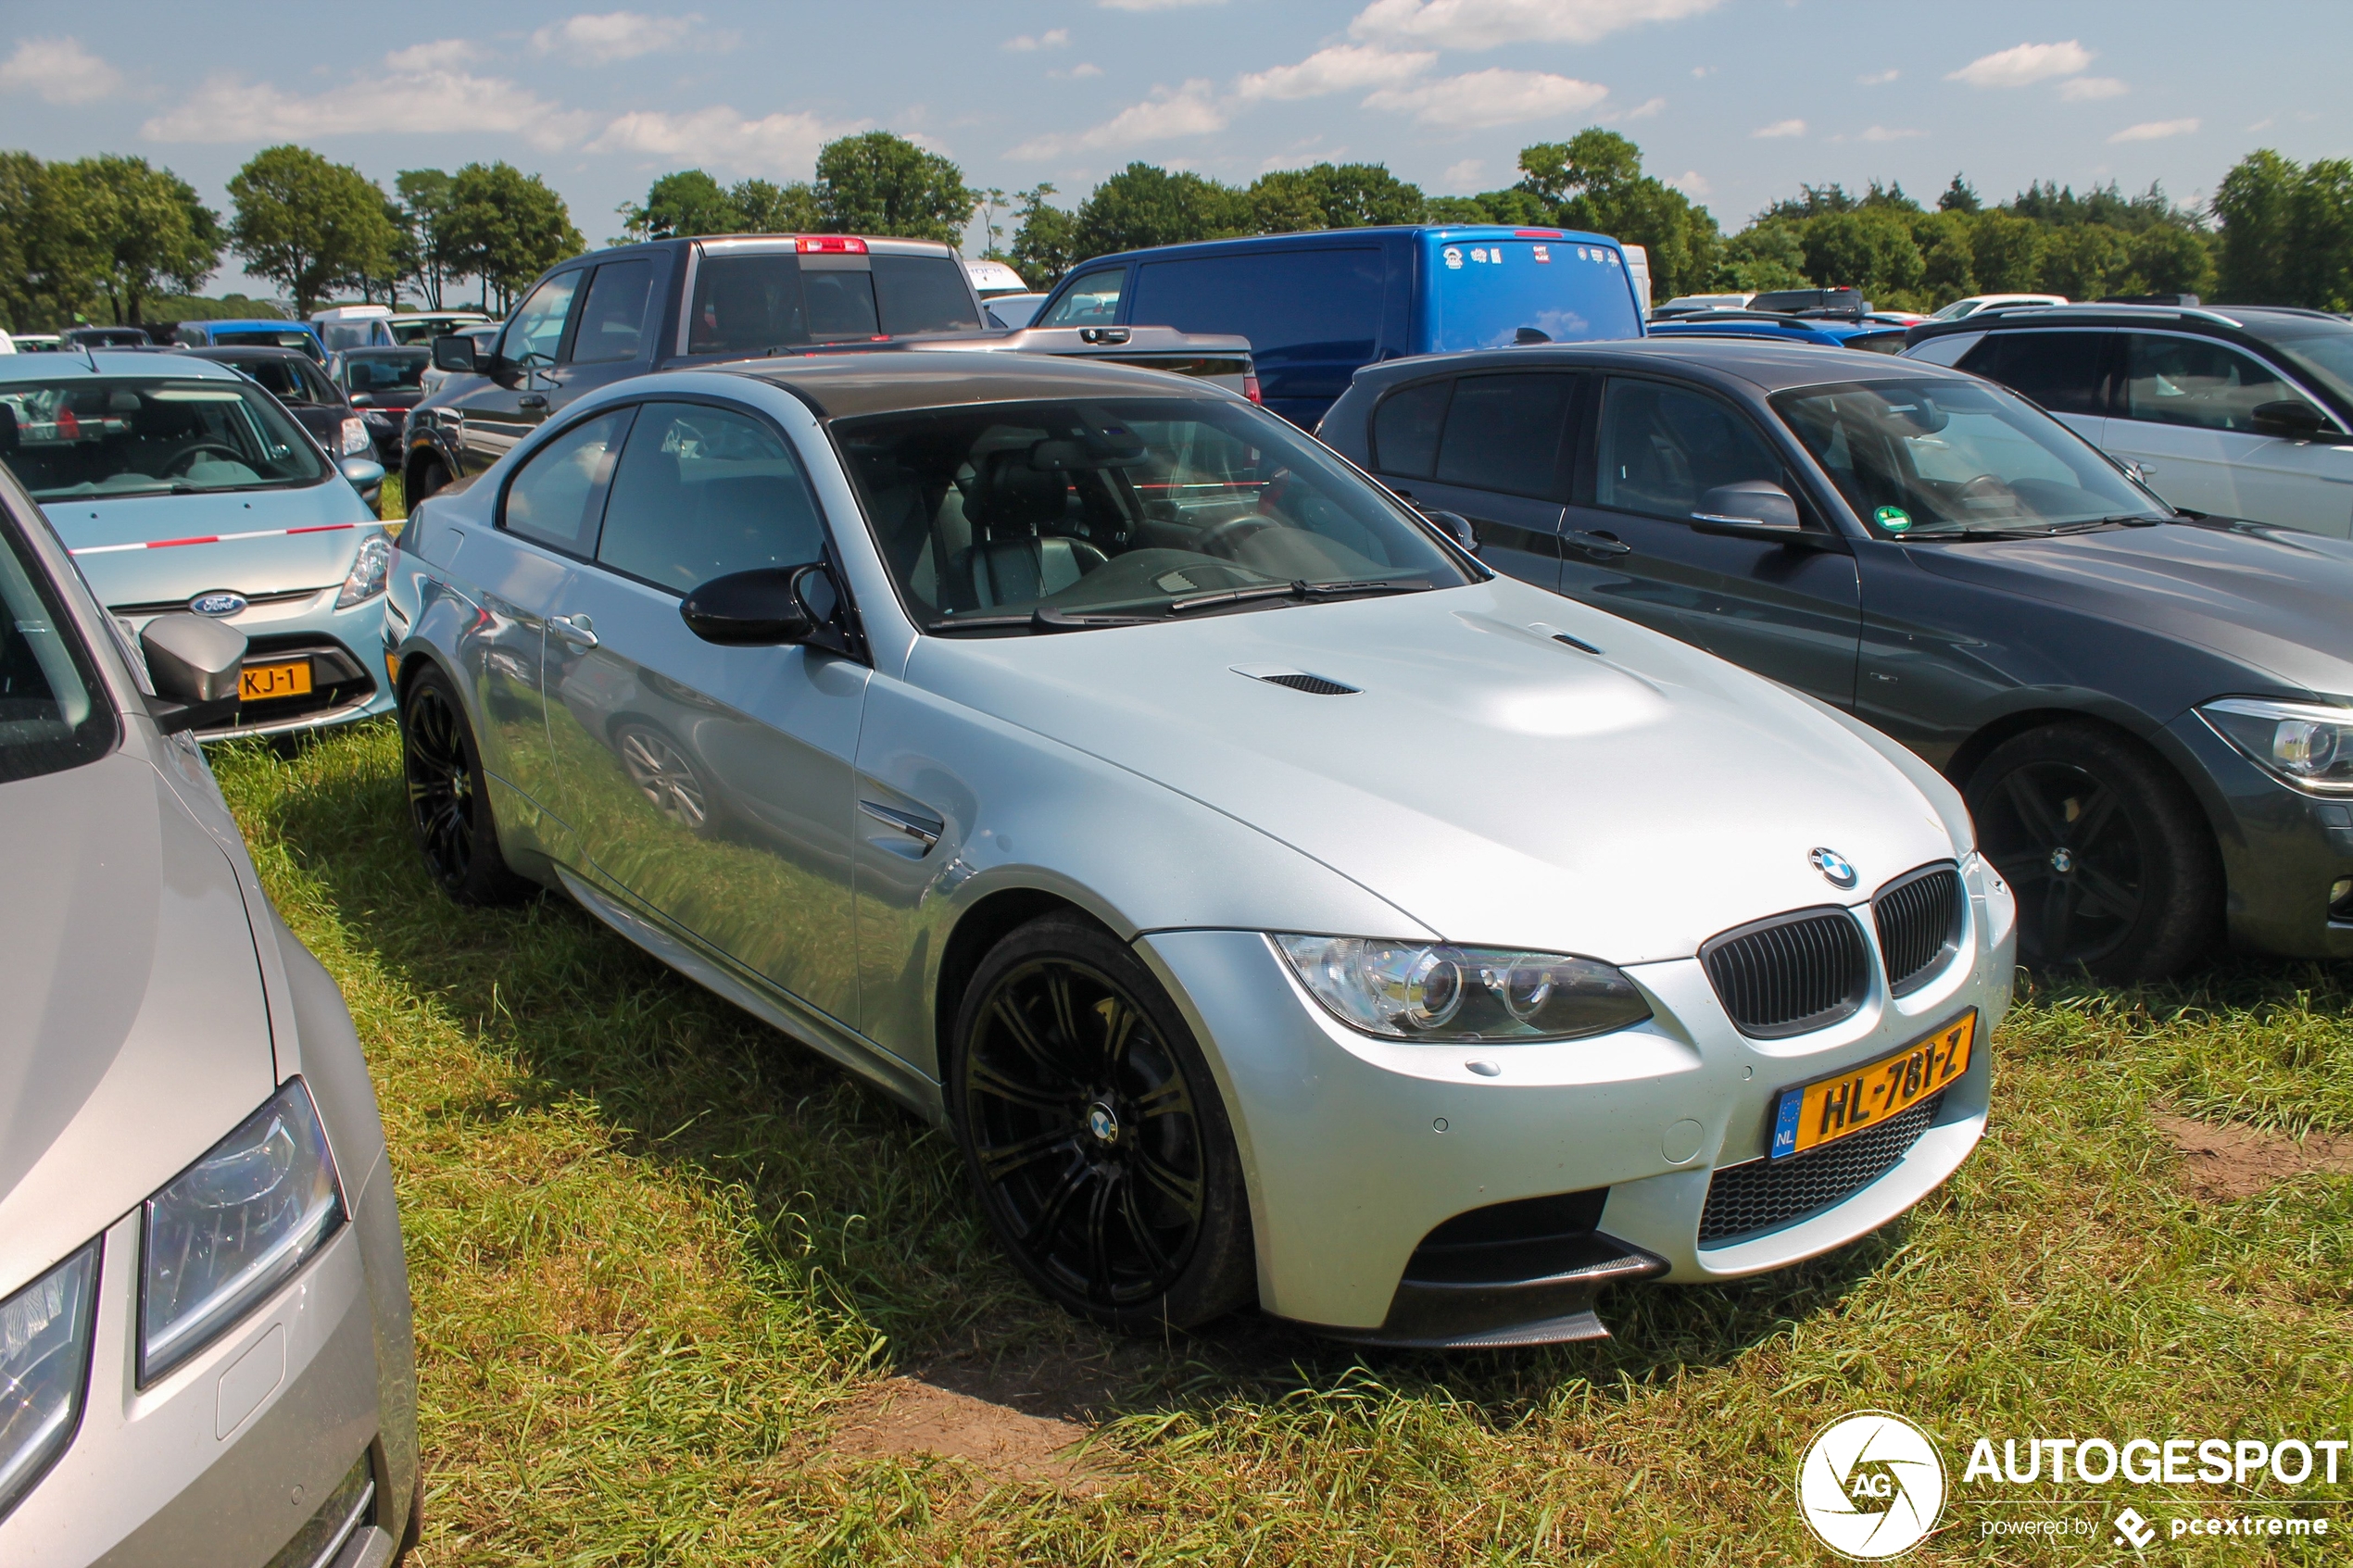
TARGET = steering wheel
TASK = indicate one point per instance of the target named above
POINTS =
(180, 459)
(1222, 539)
(1987, 487)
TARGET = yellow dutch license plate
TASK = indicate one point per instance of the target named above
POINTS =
(259, 683)
(1868, 1095)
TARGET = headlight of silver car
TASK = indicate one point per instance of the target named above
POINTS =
(232, 1227)
(2306, 743)
(44, 1365)
(368, 570)
(1437, 991)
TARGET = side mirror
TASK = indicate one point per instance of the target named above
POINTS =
(194, 663)
(768, 608)
(1456, 526)
(365, 473)
(1752, 507)
(455, 354)
(2291, 416)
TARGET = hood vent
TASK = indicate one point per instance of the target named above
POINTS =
(1300, 680)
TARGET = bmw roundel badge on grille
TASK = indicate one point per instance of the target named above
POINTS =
(1833, 867)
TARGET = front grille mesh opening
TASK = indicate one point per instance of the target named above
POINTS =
(1790, 974)
(1919, 926)
(1315, 684)
(1765, 1193)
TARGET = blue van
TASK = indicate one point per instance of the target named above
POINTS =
(1318, 306)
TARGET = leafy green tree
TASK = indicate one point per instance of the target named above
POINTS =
(2254, 205)
(505, 228)
(2083, 260)
(1045, 240)
(306, 223)
(765, 208)
(1761, 256)
(687, 202)
(51, 249)
(1334, 195)
(424, 201)
(2169, 258)
(879, 183)
(1594, 182)
(1145, 205)
(1959, 196)
(1869, 249)
(1948, 256)
(2007, 250)
(149, 234)
(2319, 265)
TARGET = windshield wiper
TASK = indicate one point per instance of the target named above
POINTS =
(1045, 618)
(1301, 589)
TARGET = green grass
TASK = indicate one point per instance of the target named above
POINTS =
(391, 504)
(659, 1252)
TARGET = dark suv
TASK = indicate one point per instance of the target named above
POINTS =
(2236, 412)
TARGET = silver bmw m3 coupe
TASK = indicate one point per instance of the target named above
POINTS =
(1278, 906)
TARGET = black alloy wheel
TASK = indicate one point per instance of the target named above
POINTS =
(1093, 1130)
(2113, 866)
(448, 804)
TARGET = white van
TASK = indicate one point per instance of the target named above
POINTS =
(353, 326)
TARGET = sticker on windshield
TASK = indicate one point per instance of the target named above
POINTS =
(1544, 252)
(1896, 520)
(1454, 257)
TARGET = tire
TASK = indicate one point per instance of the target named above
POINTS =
(1102, 1151)
(2115, 869)
(429, 477)
(448, 800)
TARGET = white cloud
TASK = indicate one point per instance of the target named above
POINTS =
(421, 89)
(1058, 38)
(1078, 72)
(2086, 89)
(1483, 24)
(2266, 123)
(1699, 71)
(1346, 68)
(1692, 182)
(1644, 109)
(720, 137)
(1779, 128)
(1881, 134)
(1489, 97)
(1190, 111)
(59, 70)
(606, 37)
(1878, 77)
(2025, 64)
(1464, 174)
(2155, 131)
(1154, 5)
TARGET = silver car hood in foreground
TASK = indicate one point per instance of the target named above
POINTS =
(1492, 783)
(134, 1030)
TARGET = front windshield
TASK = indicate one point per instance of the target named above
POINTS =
(120, 435)
(385, 370)
(52, 715)
(1926, 458)
(1122, 506)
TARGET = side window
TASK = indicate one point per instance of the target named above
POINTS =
(612, 319)
(316, 387)
(538, 326)
(559, 494)
(1504, 432)
(2185, 381)
(1662, 447)
(2060, 371)
(1406, 430)
(703, 492)
(1093, 300)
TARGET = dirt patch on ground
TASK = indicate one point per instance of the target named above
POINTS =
(2228, 1162)
(909, 1415)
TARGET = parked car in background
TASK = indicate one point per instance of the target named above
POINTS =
(1316, 307)
(1062, 748)
(206, 1353)
(419, 328)
(107, 337)
(1222, 361)
(616, 314)
(480, 335)
(179, 485)
(2239, 412)
(992, 279)
(1976, 302)
(1011, 310)
(1691, 303)
(252, 334)
(2145, 711)
(353, 326)
(35, 343)
(1869, 334)
(383, 384)
(309, 394)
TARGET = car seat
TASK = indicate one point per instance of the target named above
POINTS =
(1012, 560)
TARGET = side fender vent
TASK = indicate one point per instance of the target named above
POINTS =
(1316, 686)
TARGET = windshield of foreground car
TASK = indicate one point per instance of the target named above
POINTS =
(1917, 459)
(1124, 505)
(104, 436)
(51, 716)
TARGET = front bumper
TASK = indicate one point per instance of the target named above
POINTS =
(229, 1457)
(2282, 849)
(1357, 1148)
(348, 683)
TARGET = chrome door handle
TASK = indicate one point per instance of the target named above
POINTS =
(920, 829)
(1596, 544)
(532, 400)
(573, 629)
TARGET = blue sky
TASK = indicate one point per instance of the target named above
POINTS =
(1735, 101)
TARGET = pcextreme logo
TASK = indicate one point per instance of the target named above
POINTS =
(1870, 1485)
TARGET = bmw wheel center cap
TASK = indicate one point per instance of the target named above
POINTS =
(1833, 867)
(219, 604)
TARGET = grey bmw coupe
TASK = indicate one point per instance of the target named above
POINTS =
(1276, 904)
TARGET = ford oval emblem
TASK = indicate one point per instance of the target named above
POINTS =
(1833, 867)
(218, 604)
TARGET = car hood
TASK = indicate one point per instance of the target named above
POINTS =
(297, 541)
(1491, 781)
(135, 1033)
(2272, 597)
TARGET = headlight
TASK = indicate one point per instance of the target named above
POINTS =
(233, 1228)
(368, 569)
(355, 437)
(1437, 991)
(44, 1365)
(2306, 743)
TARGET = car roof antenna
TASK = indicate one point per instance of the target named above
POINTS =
(88, 354)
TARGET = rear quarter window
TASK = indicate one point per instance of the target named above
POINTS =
(1406, 430)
